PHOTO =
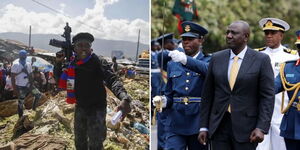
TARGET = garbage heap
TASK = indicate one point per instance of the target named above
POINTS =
(51, 125)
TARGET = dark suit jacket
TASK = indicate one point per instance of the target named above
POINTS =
(251, 100)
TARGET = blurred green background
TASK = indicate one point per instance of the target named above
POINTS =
(216, 15)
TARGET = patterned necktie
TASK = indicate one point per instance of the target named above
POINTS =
(233, 74)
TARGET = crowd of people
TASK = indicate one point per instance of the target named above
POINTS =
(43, 79)
(6, 90)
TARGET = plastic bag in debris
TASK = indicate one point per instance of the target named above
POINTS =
(141, 128)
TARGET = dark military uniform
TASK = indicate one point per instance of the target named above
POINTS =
(157, 85)
(162, 60)
(290, 124)
(183, 93)
(156, 78)
(158, 71)
(289, 80)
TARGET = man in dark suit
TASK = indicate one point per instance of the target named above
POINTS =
(238, 98)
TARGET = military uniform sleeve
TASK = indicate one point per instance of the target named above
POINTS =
(266, 94)
(208, 93)
(169, 91)
(196, 65)
(278, 84)
(163, 59)
(112, 81)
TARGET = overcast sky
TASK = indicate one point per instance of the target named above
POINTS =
(105, 19)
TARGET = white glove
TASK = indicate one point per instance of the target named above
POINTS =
(178, 56)
(160, 100)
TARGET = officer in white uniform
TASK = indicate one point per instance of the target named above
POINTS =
(274, 30)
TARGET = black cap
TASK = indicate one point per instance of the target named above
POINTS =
(83, 36)
(154, 42)
(166, 38)
(191, 29)
(177, 40)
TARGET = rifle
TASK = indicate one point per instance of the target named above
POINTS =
(66, 46)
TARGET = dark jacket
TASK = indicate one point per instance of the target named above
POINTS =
(251, 100)
(90, 81)
(184, 82)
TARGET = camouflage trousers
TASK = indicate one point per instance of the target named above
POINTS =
(23, 92)
(89, 128)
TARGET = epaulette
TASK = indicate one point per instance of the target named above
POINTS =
(260, 49)
(290, 51)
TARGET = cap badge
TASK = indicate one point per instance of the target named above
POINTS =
(269, 23)
(187, 28)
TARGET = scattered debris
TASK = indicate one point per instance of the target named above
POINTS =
(22, 126)
(51, 125)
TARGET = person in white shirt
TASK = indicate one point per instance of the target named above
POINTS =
(21, 79)
(274, 31)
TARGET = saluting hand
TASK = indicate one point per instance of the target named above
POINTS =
(178, 56)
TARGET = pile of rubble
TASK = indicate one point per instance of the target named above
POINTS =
(51, 126)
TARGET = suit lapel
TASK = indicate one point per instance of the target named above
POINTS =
(224, 67)
(246, 64)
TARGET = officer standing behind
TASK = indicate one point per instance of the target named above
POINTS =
(274, 31)
(162, 59)
(155, 71)
(289, 80)
(157, 85)
(182, 97)
(84, 79)
(167, 43)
